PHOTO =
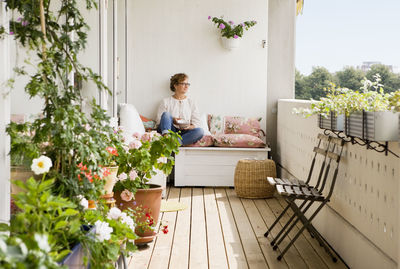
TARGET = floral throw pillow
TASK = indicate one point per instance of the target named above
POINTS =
(238, 141)
(242, 125)
(205, 141)
(217, 124)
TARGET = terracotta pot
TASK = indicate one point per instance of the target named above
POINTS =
(111, 179)
(149, 200)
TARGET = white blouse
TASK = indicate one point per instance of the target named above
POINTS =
(184, 109)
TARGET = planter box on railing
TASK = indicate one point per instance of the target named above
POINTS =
(332, 122)
(374, 126)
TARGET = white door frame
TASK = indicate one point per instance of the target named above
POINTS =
(4, 118)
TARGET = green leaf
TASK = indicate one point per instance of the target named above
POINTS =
(60, 224)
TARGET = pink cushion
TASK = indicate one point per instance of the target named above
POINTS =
(205, 141)
(242, 125)
(237, 141)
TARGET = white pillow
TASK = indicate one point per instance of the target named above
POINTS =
(204, 124)
(130, 121)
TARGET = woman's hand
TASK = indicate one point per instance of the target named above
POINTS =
(175, 120)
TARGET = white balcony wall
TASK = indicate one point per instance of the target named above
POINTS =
(361, 221)
(167, 37)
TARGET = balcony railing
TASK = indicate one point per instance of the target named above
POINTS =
(361, 222)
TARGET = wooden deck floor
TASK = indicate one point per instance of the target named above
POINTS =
(220, 230)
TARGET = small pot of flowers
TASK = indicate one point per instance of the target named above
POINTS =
(138, 162)
(231, 32)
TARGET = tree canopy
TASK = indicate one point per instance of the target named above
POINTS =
(313, 85)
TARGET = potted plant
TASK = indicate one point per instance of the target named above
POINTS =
(54, 224)
(137, 164)
(230, 33)
(76, 142)
(63, 131)
(368, 112)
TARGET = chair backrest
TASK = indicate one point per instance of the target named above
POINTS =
(328, 151)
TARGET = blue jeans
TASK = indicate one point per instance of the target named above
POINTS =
(188, 136)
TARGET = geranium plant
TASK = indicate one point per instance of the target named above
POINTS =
(230, 29)
(140, 159)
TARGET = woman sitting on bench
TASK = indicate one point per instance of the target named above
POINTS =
(179, 113)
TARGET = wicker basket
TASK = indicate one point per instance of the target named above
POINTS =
(251, 178)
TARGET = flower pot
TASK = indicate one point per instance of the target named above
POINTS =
(230, 43)
(374, 126)
(150, 202)
(332, 122)
(111, 179)
(75, 259)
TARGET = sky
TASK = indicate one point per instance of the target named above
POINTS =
(340, 33)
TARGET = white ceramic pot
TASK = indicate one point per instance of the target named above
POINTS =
(230, 43)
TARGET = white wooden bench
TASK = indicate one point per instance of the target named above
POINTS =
(211, 166)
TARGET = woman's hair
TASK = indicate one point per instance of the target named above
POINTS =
(175, 79)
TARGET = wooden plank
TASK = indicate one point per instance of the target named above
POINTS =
(320, 151)
(311, 258)
(252, 250)
(180, 246)
(233, 245)
(318, 249)
(163, 245)
(141, 258)
(198, 244)
(215, 242)
(259, 228)
(292, 256)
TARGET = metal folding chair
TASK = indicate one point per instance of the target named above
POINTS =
(294, 189)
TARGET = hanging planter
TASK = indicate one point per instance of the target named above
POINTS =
(231, 33)
(332, 122)
(376, 126)
(230, 43)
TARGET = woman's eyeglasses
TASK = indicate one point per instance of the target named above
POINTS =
(183, 83)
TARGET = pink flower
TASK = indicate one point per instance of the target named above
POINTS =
(133, 174)
(11, 33)
(24, 23)
(136, 135)
(127, 195)
(155, 134)
(230, 22)
(222, 26)
(146, 137)
(209, 17)
(242, 24)
(235, 36)
(122, 176)
(135, 144)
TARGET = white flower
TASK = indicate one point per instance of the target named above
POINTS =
(103, 231)
(162, 160)
(114, 213)
(122, 176)
(41, 165)
(83, 202)
(128, 221)
(133, 174)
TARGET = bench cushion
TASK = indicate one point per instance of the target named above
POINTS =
(205, 141)
(238, 141)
